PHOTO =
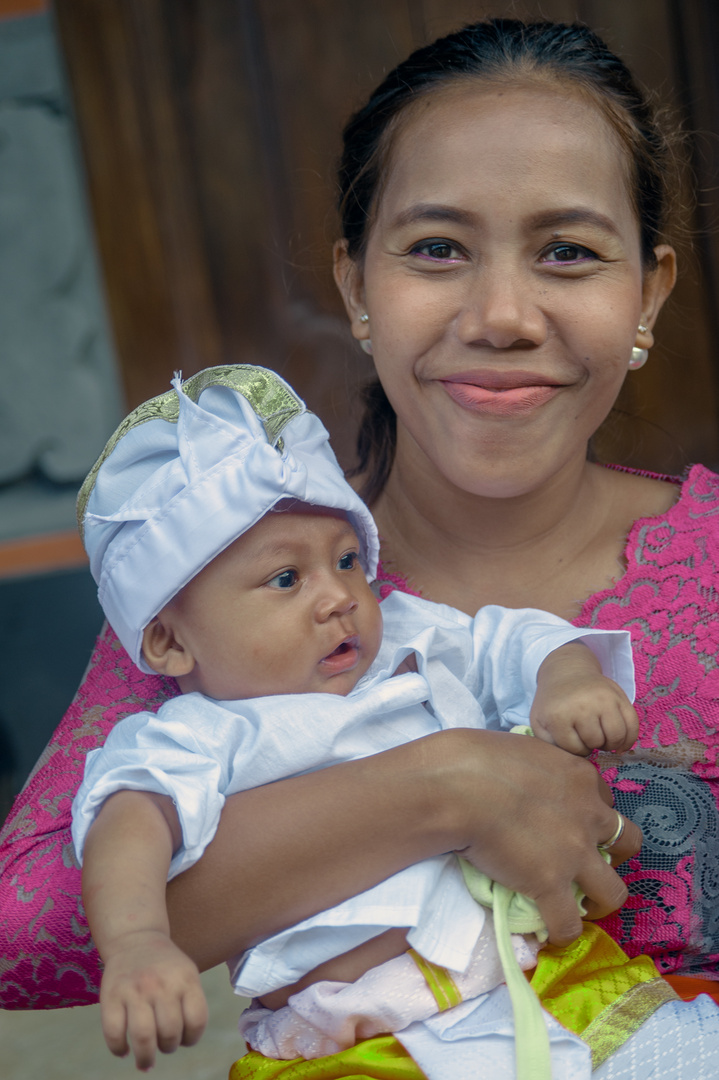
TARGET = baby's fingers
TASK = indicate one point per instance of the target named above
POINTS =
(613, 732)
(114, 1027)
(565, 736)
(619, 727)
(181, 1021)
(169, 1024)
(631, 721)
(194, 1008)
(142, 1033)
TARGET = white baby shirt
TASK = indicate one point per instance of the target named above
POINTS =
(476, 672)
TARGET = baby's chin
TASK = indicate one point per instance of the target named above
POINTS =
(340, 685)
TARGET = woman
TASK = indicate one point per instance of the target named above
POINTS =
(503, 195)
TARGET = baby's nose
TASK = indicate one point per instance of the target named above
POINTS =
(336, 600)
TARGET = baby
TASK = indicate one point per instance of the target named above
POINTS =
(231, 555)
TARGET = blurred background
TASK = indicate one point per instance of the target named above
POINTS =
(166, 202)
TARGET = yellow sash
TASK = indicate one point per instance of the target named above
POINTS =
(382, 1058)
(591, 986)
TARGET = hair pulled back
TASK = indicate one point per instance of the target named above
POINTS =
(495, 50)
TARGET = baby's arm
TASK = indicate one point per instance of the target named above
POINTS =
(151, 997)
(577, 708)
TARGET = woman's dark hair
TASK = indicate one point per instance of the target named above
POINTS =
(496, 50)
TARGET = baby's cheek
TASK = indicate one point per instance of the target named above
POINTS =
(376, 628)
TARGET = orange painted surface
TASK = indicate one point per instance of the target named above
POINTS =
(22, 7)
(41, 554)
(688, 987)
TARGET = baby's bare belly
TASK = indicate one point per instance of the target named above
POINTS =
(345, 968)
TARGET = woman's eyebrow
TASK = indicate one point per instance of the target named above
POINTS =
(546, 219)
(552, 219)
(432, 212)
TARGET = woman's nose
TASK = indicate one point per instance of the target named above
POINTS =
(501, 311)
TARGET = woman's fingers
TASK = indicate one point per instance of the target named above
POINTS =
(604, 890)
(560, 914)
(535, 825)
(628, 843)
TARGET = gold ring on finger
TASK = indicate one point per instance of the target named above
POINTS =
(616, 835)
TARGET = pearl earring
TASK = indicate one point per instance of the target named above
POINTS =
(639, 356)
(365, 344)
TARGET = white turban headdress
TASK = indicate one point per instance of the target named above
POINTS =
(188, 472)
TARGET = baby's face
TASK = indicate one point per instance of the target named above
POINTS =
(285, 609)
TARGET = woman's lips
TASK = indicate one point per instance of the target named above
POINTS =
(516, 400)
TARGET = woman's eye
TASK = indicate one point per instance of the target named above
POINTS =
(437, 251)
(568, 253)
(348, 561)
(285, 580)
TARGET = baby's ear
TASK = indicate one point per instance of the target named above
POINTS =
(163, 652)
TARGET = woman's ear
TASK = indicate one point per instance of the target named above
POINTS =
(349, 281)
(162, 650)
(658, 283)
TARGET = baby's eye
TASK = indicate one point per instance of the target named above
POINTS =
(285, 580)
(563, 254)
(438, 251)
(348, 561)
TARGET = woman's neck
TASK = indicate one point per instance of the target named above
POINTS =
(549, 548)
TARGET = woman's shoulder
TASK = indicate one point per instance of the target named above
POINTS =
(634, 493)
(676, 544)
(677, 502)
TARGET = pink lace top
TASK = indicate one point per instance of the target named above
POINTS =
(668, 598)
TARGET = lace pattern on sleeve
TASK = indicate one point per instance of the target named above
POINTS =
(668, 598)
(47, 958)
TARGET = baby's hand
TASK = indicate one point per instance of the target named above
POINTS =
(151, 998)
(578, 708)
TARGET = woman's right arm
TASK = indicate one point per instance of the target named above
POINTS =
(526, 813)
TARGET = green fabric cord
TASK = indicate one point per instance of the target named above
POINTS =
(531, 1040)
(515, 913)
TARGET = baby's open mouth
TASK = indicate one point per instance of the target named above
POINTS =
(345, 657)
(344, 647)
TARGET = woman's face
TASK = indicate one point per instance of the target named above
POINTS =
(504, 285)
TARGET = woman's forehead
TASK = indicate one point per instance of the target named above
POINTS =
(471, 139)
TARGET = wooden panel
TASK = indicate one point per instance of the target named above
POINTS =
(335, 58)
(219, 97)
(141, 188)
(671, 405)
(13, 8)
